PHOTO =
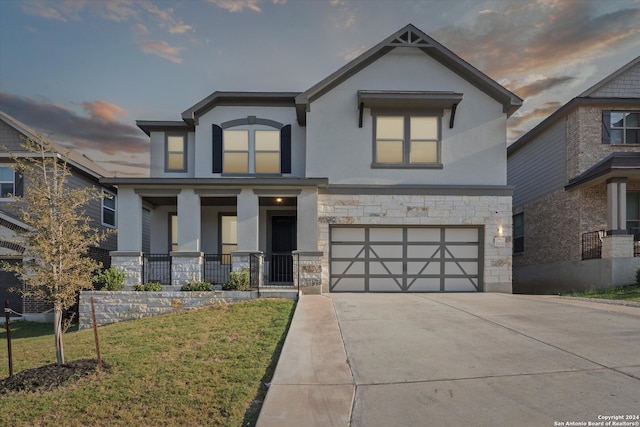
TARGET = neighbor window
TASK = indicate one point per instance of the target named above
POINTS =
(108, 208)
(7, 182)
(176, 153)
(518, 233)
(633, 212)
(406, 140)
(228, 236)
(621, 127)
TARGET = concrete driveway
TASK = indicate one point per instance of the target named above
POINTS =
(456, 359)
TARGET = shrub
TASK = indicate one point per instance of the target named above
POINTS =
(238, 281)
(111, 279)
(197, 286)
(148, 287)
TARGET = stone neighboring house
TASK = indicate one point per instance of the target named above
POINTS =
(84, 173)
(389, 175)
(576, 203)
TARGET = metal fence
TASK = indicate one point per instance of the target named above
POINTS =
(592, 244)
(216, 268)
(156, 268)
(277, 270)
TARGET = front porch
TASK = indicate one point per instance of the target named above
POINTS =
(203, 233)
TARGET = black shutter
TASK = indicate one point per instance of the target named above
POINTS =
(606, 126)
(217, 148)
(285, 149)
(19, 185)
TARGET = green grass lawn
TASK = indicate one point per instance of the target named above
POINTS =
(629, 293)
(203, 367)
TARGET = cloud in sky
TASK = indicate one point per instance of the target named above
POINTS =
(541, 85)
(537, 114)
(100, 133)
(238, 5)
(162, 49)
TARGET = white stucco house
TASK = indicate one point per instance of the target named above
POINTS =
(390, 175)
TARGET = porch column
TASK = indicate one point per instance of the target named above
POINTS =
(248, 214)
(308, 220)
(129, 212)
(188, 221)
(617, 205)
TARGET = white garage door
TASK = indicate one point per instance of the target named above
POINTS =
(405, 259)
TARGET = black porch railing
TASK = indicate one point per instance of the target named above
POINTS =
(156, 268)
(592, 244)
(277, 270)
(635, 231)
(216, 268)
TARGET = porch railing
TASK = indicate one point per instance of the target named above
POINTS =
(636, 240)
(592, 244)
(277, 270)
(216, 268)
(156, 268)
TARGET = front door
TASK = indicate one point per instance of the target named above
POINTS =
(283, 241)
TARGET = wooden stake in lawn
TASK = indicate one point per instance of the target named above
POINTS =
(95, 333)
(7, 314)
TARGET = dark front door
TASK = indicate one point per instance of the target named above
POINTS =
(283, 241)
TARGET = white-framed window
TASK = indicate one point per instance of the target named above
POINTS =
(109, 203)
(406, 140)
(625, 127)
(176, 153)
(7, 182)
(228, 236)
(250, 151)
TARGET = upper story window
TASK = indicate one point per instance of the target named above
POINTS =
(406, 141)
(7, 182)
(251, 147)
(176, 153)
(108, 208)
(620, 127)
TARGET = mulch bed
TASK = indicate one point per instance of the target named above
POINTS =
(50, 377)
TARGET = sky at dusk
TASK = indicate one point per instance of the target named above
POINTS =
(82, 71)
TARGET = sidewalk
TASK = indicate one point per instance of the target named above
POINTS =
(312, 384)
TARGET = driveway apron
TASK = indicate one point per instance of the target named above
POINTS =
(488, 359)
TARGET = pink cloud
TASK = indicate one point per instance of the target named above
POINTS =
(238, 5)
(104, 110)
(162, 49)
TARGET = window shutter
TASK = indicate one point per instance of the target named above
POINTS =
(606, 126)
(19, 185)
(285, 149)
(217, 148)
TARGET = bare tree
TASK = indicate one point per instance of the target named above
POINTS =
(55, 266)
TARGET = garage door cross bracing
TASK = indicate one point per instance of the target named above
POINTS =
(405, 259)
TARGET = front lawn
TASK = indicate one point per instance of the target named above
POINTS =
(203, 367)
(629, 293)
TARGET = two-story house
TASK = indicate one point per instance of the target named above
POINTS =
(576, 203)
(387, 176)
(84, 173)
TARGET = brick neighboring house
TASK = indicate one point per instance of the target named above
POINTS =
(576, 201)
(389, 175)
(84, 173)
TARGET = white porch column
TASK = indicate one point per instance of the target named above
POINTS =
(617, 204)
(248, 213)
(307, 220)
(129, 214)
(188, 221)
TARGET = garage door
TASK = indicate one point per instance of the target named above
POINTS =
(405, 259)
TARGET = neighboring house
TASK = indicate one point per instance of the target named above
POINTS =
(84, 173)
(387, 176)
(576, 204)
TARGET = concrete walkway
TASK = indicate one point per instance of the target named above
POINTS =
(455, 359)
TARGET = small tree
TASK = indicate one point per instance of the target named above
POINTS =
(56, 266)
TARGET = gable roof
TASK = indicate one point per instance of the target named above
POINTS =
(410, 36)
(74, 158)
(620, 71)
(585, 97)
(614, 165)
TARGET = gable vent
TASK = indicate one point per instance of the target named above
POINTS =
(409, 38)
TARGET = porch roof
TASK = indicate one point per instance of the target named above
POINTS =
(616, 165)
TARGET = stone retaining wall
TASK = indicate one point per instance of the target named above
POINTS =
(113, 307)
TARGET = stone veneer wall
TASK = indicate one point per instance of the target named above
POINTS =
(186, 267)
(113, 307)
(307, 270)
(484, 211)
